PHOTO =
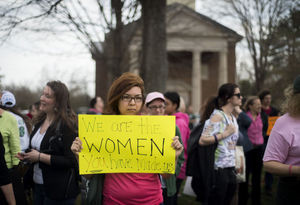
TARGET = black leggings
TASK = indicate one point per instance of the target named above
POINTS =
(178, 185)
(224, 187)
(253, 167)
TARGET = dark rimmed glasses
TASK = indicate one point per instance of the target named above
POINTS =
(128, 98)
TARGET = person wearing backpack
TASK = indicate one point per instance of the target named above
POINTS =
(221, 128)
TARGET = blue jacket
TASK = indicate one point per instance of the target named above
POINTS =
(244, 122)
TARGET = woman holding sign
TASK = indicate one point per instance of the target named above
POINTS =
(55, 169)
(282, 155)
(126, 97)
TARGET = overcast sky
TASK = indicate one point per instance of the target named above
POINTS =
(36, 58)
(34, 62)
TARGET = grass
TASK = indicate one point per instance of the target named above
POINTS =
(265, 199)
(189, 200)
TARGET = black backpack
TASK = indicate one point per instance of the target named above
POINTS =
(200, 164)
(193, 143)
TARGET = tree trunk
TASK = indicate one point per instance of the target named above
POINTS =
(108, 65)
(117, 6)
(154, 68)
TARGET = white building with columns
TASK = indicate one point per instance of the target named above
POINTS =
(201, 54)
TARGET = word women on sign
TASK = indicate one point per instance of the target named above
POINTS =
(126, 144)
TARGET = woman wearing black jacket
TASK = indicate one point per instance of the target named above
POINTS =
(55, 170)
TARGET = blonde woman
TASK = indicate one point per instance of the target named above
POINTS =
(282, 155)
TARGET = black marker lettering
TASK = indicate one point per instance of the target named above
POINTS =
(106, 146)
(161, 151)
(138, 146)
(128, 141)
(92, 145)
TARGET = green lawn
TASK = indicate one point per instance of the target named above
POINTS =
(265, 199)
(188, 200)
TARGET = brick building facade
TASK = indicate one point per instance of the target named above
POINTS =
(201, 55)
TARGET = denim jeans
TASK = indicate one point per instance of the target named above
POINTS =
(40, 197)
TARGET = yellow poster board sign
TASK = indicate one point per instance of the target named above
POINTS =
(126, 144)
(271, 123)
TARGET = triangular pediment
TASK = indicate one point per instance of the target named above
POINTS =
(184, 21)
(186, 25)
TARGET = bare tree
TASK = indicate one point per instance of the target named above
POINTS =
(86, 20)
(24, 96)
(77, 86)
(286, 50)
(285, 59)
(257, 19)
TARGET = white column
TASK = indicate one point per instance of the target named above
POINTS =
(223, 70)
(196, 81)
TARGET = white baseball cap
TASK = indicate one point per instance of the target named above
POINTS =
(154, 95)
(8, 99)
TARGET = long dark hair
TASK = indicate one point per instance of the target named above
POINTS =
(63, 110)
(118, 88)
(225, 92)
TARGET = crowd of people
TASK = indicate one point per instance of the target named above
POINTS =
(39, 151)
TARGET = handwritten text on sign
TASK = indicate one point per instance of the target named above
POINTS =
(126, 144)
(271, 123)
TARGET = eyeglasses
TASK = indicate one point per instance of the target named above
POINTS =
(128, 98)
(154, 107)
(237, 95)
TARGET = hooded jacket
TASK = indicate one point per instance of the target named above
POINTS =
(182, 121)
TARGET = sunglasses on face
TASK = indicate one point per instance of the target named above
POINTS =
(237, 95)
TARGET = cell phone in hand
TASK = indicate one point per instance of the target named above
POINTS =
(27, 150)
